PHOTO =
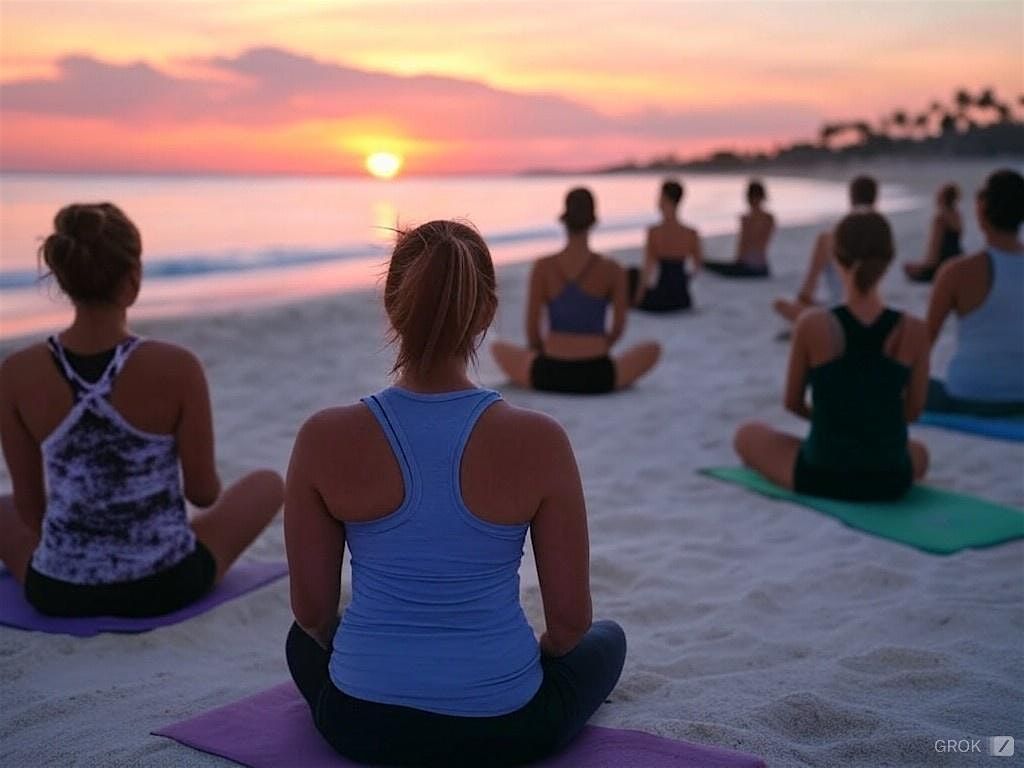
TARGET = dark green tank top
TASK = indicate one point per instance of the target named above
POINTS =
(857, 418)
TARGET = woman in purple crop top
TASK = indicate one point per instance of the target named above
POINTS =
(573, 290)
(106, 437)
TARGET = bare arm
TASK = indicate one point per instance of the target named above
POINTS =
(562, 549)
(647, 269)
(533, 309)
(23, 457)
(795, 398)
(314, 541)
(943, 298)
(698, 254)
(917, 386)
(195, 436)
(620, 304)
(741, 241)
(819, 258)
(931, 255)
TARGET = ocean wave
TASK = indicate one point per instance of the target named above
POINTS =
(235, 262)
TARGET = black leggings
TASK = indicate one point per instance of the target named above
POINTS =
(574, 686)
(164, 592)
(940, 401)
(735, 269)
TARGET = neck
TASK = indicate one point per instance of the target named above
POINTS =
(863, 304)
(578, 244)
(1004, 241)
(444, 376)
(96, 328)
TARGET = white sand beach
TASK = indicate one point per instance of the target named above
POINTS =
(752, 624)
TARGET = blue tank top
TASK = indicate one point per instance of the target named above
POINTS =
(435, 621)
(574, 310)
(988, 364)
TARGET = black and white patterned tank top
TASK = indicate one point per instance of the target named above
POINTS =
(115, 510)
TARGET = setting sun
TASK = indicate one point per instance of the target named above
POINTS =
(383, 165)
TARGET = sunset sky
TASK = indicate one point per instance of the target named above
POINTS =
(315, 87)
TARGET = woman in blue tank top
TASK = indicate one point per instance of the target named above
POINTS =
(433, 484)
(106, 437)
(986, 291)
(574, 289)
(867, 368)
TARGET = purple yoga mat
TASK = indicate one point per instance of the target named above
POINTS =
(274, 728)
(243, 577)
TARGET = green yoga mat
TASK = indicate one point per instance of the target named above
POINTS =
(927, 518)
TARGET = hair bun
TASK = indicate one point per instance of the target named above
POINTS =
(83, 223)
(91, 249)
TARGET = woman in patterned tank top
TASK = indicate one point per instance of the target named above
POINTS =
(106, 437)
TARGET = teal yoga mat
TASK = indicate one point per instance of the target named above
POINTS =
(930, 519)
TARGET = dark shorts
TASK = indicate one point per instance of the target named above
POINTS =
(660, 298)
(736, 269)
(155, 595)
(851, 485)
(593, 376)
(940, 401)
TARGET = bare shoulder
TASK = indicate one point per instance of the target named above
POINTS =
(912, 337)
(534, 434)
(166, 353)
(955, 270)
(691, 232)
(812, 322)
(609, 266)
(343, 423)
(24, 364)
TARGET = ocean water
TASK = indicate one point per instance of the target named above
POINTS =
(217, 243)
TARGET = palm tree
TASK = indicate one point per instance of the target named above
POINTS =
(899, 119)
(827, 133)
(963, 104)
(921, 123)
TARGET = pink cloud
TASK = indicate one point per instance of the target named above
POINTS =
(267, 88)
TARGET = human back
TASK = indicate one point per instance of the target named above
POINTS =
(986, 292)
(866, 366)
(577, 287)
(432, 484)
(859, 371)
(435, 620)
(106, 437)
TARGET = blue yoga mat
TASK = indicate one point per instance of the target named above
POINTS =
(1001, 428)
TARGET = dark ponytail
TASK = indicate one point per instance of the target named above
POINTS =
(440, 294)
(91, 250)
(864, 244)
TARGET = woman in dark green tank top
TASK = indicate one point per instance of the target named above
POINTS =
(867, 369)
